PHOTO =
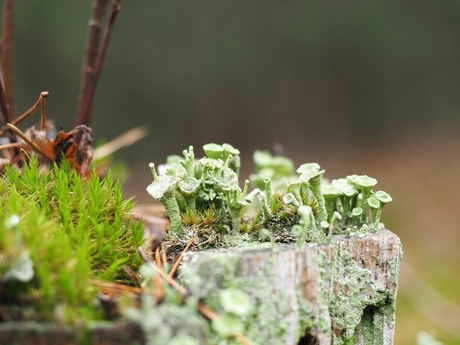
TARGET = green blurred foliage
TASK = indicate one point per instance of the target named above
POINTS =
(359, 86)
(249, 72)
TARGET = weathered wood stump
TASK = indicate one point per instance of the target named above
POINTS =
(343, 292)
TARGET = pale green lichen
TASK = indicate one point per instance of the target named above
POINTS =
(163, 323)
(347, 299)
(306, 210)
(226, 274)
(190, 187)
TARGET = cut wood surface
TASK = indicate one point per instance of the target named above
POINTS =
(336, 293)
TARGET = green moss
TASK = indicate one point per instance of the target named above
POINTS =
(73, 230)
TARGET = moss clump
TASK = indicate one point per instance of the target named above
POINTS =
(72, 230)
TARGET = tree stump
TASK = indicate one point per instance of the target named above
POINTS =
(343, 292)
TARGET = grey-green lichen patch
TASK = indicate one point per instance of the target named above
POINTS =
(350, 284)
(329, 287)
(268, 322)
(323, 291)
(162, 323)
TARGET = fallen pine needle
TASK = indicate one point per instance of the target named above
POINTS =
(125, 139)
(177, 263)
(158, 258)
(115, 286)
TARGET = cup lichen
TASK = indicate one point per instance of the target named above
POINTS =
(188, 186)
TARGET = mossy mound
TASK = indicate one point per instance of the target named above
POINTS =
(57, 232)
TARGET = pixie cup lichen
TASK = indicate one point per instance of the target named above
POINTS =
(363, 184)
(312, 177)
(163, 189)
(330, 194)
(384, 199)
(298, 207)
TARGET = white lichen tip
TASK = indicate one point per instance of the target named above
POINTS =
(12, 221)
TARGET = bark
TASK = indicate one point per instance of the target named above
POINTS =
(96, 51)
(335, 293)
(7, 56)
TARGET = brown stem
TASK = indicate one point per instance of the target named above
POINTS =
(41, 100)
(29, 141)
(6, 117)
(4, 105)
(93, 42)
(93, 73)
(7, 55)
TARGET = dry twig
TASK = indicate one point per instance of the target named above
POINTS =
(7, 56)
(41, 100)
(84, 114)
(93, 41)
(123, 140)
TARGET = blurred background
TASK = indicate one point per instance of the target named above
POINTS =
(360, 87)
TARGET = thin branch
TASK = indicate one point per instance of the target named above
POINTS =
(24, 137)
(84, 115)
(93, 42)
(4, 107)
(43, 96)
(6, 117)
(7, 55)
(25, 155)
(10, 146)
(41, 100)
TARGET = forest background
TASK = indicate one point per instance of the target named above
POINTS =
(359, 87)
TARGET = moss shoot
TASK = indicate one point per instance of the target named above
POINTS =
(63, 231)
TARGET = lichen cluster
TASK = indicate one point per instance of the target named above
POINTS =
(319, 292)
(204, 200)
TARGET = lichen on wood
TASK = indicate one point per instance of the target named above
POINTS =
(340, 293)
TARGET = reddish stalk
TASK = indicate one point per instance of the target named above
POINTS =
(6, 117)
(93, 73)
(7, 56)
(4, 105)
(24, 137)
(93, 41)
(41, 100)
